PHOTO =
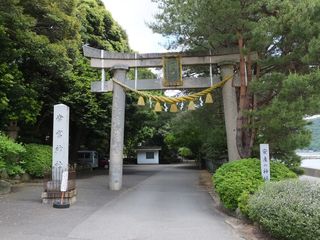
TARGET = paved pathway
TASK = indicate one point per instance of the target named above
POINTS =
(310, 178)
(157, 202)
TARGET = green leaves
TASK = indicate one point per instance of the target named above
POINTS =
(235, 180)
(9, 150)
(209, 24)
(285, 34)
(37, 159)
(17, 100)
(184, 152)
(98, 29)
(10, 156)
(283, 103)
(33, 57)
(287, 209)
(41, 64)
(202, 131)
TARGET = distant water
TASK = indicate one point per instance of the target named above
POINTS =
(310, 159)
(311, 163)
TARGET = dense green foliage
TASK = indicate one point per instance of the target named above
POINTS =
(285, 35)
(10, 156)
(297, 96)
(2, 165)
(233, 179)
(16, 159)
(9, 150)
(14, 170)
(288, 209)
(41, 64)
(202, 131)
(184, 152)
(98, 29)
(37, 159)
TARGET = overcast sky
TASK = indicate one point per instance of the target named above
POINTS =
(132, 15)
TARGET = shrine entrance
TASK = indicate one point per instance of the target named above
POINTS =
(172, 64)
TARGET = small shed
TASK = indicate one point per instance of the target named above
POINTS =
(148, 155)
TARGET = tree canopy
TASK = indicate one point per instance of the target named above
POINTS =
(285, 88)
(41, 64)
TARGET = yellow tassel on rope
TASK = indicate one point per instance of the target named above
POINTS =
(173, 108)
(191, 106)
(209, 98)
(158, 99)
(141, 101)
(158, 107)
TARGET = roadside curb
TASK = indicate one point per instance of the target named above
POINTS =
(311, 172)
(5, 187)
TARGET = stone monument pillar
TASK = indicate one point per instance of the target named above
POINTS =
(60, 145)
(117, 128)
(55, 185)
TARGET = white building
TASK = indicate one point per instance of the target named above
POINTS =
(148, 155)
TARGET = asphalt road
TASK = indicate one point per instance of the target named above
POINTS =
(157, 202)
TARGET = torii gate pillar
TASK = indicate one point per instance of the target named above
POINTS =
(106, 60)
(117, 129)
(230, 108)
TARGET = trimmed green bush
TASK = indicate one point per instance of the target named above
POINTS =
(239, 177)
(184, 152)
(9, 150)
(10, 156)
(288, 209)
(37, 159)
(14, 169)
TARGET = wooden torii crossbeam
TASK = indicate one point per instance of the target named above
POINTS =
(120, 63)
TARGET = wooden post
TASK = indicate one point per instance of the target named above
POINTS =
(117, 129)
(230, 112)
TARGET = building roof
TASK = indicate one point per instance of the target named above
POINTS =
(148, 148)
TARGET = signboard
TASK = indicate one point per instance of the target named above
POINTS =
(64, 182)
(265, 161)
(172, 71)
(60, 148)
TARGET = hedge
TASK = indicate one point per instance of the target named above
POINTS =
(288, 209)
(235, 181)
(37, 159)
(9, 150)
(10, 156)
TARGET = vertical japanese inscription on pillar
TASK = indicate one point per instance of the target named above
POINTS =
(265, 161)
(172, 71)
(60, 148)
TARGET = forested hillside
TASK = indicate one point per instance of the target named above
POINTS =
(314, 127)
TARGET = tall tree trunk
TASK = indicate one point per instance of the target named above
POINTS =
(249, 105)
(254, 107)
(242, 100)
(243, 132)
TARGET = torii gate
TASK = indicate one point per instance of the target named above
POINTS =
(120, 63)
